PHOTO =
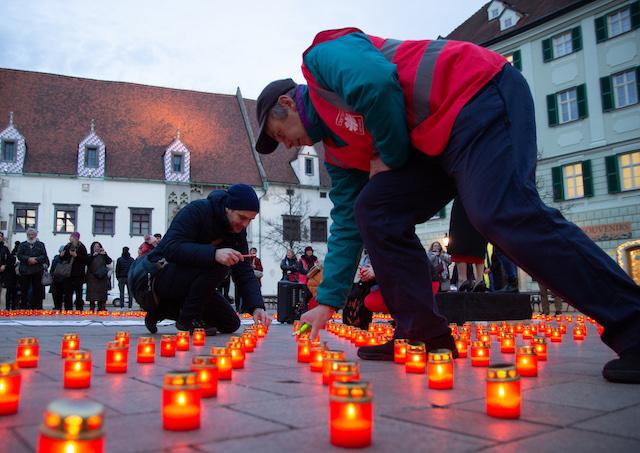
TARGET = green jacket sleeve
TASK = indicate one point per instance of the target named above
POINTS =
(345, 242)
(353, 68)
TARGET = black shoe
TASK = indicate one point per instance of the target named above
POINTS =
(466, 286)
(480, 287)
(382, 352)
(625, 369)
(558, 313)
(150, 322)
(509, 288)
(445, 341)
(209, 331)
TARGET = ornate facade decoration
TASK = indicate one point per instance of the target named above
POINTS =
(178, 150)
(11, 135)
(87, 166)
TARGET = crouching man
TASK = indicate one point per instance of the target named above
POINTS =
(205, 242)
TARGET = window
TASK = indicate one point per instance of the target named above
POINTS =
(26, 215)
(176, 163)
(562, 44)
(65, 220)
(625, 89)
(630, 170)
(323, 194)
(494, 13)
(104, 220)
(618, 22)
(572, 181)
(318, 229)
(140, 221)
(308, 166)
(290, 228)
(508, 22)
(91, 157)
(8, 151)
(515, 60)
(566, 106)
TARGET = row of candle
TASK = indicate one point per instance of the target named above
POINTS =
(57, 313)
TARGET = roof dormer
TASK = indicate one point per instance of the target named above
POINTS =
(12, 148)
(91, 155)
(177, 161)
(494, 9)
(509, 18)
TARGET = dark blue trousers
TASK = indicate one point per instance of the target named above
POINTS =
(489, 163)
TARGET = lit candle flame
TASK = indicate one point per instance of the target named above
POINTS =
(501, 391)
(182, 400)
(351, 411)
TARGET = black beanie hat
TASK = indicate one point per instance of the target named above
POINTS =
(242, 197)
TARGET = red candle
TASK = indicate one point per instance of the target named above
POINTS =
(361, 338)
(249, 341)
(304, 351)
(503, 391)
(123, 338)
(315, 363)
(207, 374)
(563, 328)
(223, 361)
(400, 350)
(183, 340)
(168, 346)
(580, 319)
(344, 372)
(351, 415)
(416, 358)
(77, 370)
(485, 338)
(493, 329)
(526, 361)
(463, 347)
(329, 358)
(579, 332)
(556, 336)
(526, 333)
(72, 426)
(508, 345)
(237, 354)
(199, 335)
(440, 369)
(261, 330)
(480, 353)
(27, 352)
(146, 350)
(9, 388)
(117, 357)
(70, 342)
(180, 401)
(540, 347)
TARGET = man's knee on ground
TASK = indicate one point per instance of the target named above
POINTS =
(230, 326)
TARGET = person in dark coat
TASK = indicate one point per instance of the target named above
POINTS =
(290, 267)
(32, 255)
(98, 282)
(56, 289)
(6, 262)
(10, 280)
(123, 264)
(76, 251)
(206, 240)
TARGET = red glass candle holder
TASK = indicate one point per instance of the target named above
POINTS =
(27, 352)
(508, 344)
(526, 361)
(579, 332)
(330, 357)
(261, 330)
(351, 414)
(199, 337)
(9, 388)
(556, 336)
(168, 346)
(563, 328)
(462, 346)
(206, 368)
(503, 391)
(70, 342)
(123, 338)
(361, 338)
(223, 361)
(146, 352)
(72, 426)
(400, 350)
(440, 369)
(304, 351)
(237, 354)
(181, 401)
(416, 358)
(493, 329)
(315, 362)
(77, 370)
(249, 341)
(345, 371)
(526, 333)
(480, 353)
(540, 347)
(183, 340)
(117, 357)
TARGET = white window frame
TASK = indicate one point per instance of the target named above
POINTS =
(91, 149)
(568, 99)
(562, 44)
(573, 180)
(629, 166)
(620, 19)
(173, 166)
(4, 145)
(308, 163)
(626, 83)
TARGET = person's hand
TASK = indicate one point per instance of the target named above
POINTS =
(317, 318)
(228, 257)
(2, 268)
(102, 252)
(261, 317)
(367, 274)
(377, 166)
(32, 261)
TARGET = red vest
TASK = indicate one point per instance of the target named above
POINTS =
(438, 77)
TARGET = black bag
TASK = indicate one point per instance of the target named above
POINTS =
(142, 274)
(63, 270)
(354, 312)
(101, 273)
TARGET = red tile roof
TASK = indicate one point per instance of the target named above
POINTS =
(479, 30)
(136, 122)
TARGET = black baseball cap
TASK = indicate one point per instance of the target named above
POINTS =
(267, 99)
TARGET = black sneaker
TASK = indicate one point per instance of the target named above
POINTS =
(625, 369)
(382, 352)
(445, 341)
(509, 288)
(466, 286)
(210, 331)
(479, 287)
(150, 322)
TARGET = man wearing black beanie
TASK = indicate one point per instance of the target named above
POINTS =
(204, 243)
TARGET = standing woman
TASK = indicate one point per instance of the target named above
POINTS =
(76, 253)
(98, 283)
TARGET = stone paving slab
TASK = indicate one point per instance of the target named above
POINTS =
(276, 404)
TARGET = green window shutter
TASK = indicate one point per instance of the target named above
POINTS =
(581, 94)
(635, 14)
(576, 39)
(442, 213)
(606, 91)
(613, 177)
(547, 50)
(587, 178)
(601, 29)
(552, 109)
(517, 60)
(558, 183)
